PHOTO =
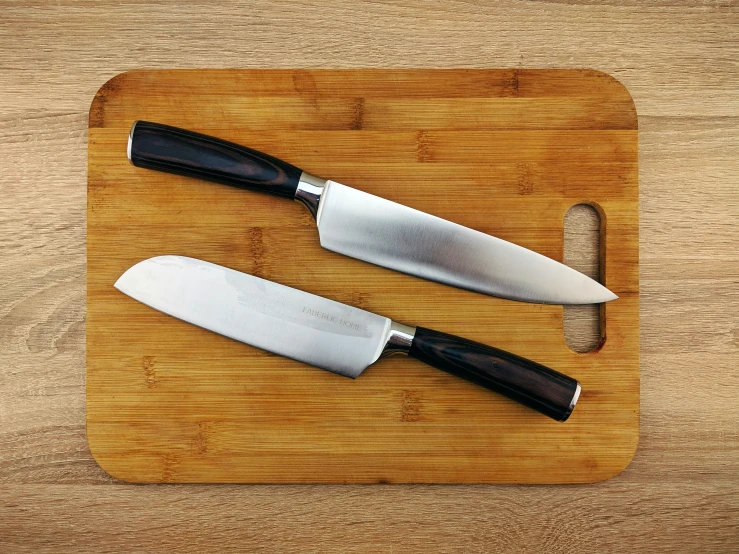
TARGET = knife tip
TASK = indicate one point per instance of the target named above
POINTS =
(604, 297)
(610, 296)
(591, 295)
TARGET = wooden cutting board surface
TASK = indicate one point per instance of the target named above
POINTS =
(506, 152)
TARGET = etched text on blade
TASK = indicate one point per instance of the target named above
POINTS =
(286, 321)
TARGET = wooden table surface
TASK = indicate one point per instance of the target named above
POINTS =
(678, 59)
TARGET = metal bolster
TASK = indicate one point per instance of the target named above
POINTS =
(399, 339)
(309, 192)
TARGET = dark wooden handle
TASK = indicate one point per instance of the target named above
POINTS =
(527, 382)
(173, 150)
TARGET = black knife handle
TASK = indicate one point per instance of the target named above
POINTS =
(174, 150)
(527, 382)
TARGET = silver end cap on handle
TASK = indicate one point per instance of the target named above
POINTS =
(130, 140)
(573, 403)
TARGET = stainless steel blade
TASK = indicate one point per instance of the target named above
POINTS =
(280, 319)
(376, 230)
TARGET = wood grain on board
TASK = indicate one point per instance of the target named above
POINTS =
(507, 152)
(677, 59)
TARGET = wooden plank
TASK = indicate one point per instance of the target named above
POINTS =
(170, 402)
(365, 519)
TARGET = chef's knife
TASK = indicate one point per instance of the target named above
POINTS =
(331, 335)
(370, 228)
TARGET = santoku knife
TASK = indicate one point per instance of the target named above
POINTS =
(331, 335)
(368, 227)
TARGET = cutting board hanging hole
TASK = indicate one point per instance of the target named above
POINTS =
(582, 324)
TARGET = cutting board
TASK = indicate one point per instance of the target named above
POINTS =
(506, 152)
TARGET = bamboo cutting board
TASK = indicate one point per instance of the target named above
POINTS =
(506, 152)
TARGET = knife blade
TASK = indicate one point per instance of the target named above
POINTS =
(330, 335)
(370, 228)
